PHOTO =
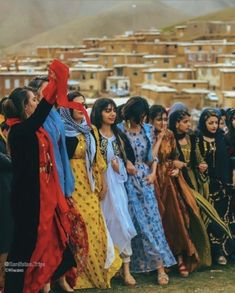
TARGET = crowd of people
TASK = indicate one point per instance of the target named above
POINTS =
(128, 189)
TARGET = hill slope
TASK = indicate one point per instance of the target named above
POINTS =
(114, 21)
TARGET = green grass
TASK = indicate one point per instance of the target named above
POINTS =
(215, 279)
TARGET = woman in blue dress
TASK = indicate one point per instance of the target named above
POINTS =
(150, 248)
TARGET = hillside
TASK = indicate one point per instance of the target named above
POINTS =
(114, 21)
(20, 20)
(197, 8)
(26, 24)
(227, 14)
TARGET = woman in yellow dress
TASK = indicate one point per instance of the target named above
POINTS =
(88, 167)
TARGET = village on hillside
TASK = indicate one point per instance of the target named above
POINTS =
(193, 63)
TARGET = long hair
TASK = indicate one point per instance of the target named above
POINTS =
(96, 119)
(231, 130)
(175, 117)
(135, 109)
(205, 115)
(14, 105)
(156, 110)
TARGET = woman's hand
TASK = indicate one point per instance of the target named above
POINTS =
(174, 172)
(161, 134)
(115, 165)
(130, 168)
(103, 191)
(202, 167)
(150, 178)
(179, 164)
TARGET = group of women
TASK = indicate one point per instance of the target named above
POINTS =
(91, 197)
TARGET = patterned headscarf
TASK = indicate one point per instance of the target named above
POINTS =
(72, 129)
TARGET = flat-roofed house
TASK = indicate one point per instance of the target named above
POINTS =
(92, 79)
(227, 79)
(190, 83)
(160, 61)
(10, 80)
(211, 73)
(155, 75)
(133, 71)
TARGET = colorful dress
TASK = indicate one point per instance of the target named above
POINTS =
(115, 203)
(179, 210)
(103, 262)
(220, 193)
(39, 209)
(150, 248)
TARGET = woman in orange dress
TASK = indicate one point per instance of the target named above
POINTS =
(183, 225)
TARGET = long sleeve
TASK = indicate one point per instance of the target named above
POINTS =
(35, 121)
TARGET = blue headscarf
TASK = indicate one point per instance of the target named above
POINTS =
(55, 128)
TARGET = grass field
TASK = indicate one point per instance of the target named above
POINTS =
(216, 279)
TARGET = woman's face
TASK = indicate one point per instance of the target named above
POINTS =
(233, 122)
(31, 105)
(109, 115)
(78, 115)
(183, 126)
(212, 124)
(222, 123)
(160, 122)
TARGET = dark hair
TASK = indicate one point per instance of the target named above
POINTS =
(14, 105)
(205, 115)
(119, 113)
(135, 109)
(175, 117)
(222, 112)
(1, 104)
(99, 106)
(156, 110)
(72, 95)
(37, 82)
(231, 130)
(96, 118)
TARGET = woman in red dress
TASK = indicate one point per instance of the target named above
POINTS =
(39, 252)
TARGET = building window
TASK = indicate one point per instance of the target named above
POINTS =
(149, 76)
(83, 76)
(7, 84)
(199, 48)
(135, 73)
(26, 82)
(166, 60)
(91, 87)
(180, 75)
(92, 75)
(194, 84)
(164, 75)
(16, 83)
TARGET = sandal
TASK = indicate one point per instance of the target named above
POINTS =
(183, 270)
(162, 279)
(130, 281)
